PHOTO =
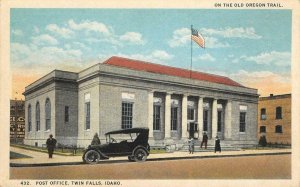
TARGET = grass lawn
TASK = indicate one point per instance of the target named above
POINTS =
(14, 155)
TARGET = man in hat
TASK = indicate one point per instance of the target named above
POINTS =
(217, 145)
(51, 142)
(204, 140)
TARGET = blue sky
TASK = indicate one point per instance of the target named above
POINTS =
(252, 47)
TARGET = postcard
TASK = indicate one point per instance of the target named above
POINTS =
(151, 93)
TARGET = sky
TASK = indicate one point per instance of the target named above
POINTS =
(252, 47)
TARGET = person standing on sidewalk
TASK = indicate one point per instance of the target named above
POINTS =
(217, 145)
(51, 142)
(204, 140)
(191, 145)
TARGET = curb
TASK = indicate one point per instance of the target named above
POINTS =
(151, 159)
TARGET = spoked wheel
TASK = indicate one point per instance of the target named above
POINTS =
(92, 157)
(140, 155)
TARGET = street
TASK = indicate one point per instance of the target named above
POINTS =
(247, 167)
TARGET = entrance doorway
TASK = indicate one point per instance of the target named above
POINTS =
(193, 130)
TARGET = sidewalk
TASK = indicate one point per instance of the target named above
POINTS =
(41, 159)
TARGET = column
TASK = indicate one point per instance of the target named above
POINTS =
(214, 121)
(184, 117)
(200, 116)
(228, 112)
(168, 116)
(150, 113)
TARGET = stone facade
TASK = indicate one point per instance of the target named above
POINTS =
(109, 98)
(276, 127)
(60, 89)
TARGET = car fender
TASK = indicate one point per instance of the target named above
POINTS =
(101, 154)
(138, 147)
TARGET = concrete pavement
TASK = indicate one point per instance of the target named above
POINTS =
(41, 159)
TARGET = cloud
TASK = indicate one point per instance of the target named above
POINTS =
(270, 58)
(162, 55)
(238, 32)
(180, 37)
(211, 42)
(183, 36)
(132, 37)
(205, 57)
(89, 26)
(44, 39)
(60, 31)
(17, 32)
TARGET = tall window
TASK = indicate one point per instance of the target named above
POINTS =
(174, 118)
(48, 114)
(66, 114)
(263, 114)
(127, 115)
(156, 117)
(278, 129)
(242, 121)
(191, 113)
(37, 117)
(278, 112)
(219, 120)
(205, 120)
(87, 115)
(29, 118)
(262, 129)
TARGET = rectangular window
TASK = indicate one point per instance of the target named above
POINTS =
(242, 121)
(191, 113)
(263, 114)
(156, 117)
(29, 118)
(278, 113)
(66, 114)
(174, 118)
(205, 120)
(262, 129)
(278, 129)
(219, 121)
(87, 116)
(127, 115)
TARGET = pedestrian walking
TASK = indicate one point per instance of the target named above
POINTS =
(217, 145)
(204, 140)
(96, 140)
(191, 145)
(51, 142)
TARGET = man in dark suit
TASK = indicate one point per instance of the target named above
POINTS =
(204, 140)
(51, 142)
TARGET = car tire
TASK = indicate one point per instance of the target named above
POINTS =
(140, 155)
(92, 157)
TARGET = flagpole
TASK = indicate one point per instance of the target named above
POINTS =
(191, 65)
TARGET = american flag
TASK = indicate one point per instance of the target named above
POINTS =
(198, 38)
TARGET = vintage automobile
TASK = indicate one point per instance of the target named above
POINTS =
(127, 142)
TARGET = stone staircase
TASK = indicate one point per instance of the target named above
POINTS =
(210, 147)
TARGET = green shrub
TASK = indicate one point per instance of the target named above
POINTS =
(262, 141)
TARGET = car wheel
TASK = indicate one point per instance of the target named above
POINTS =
(92, 157)
(140, 155)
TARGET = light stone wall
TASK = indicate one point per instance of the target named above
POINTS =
(39, 137)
